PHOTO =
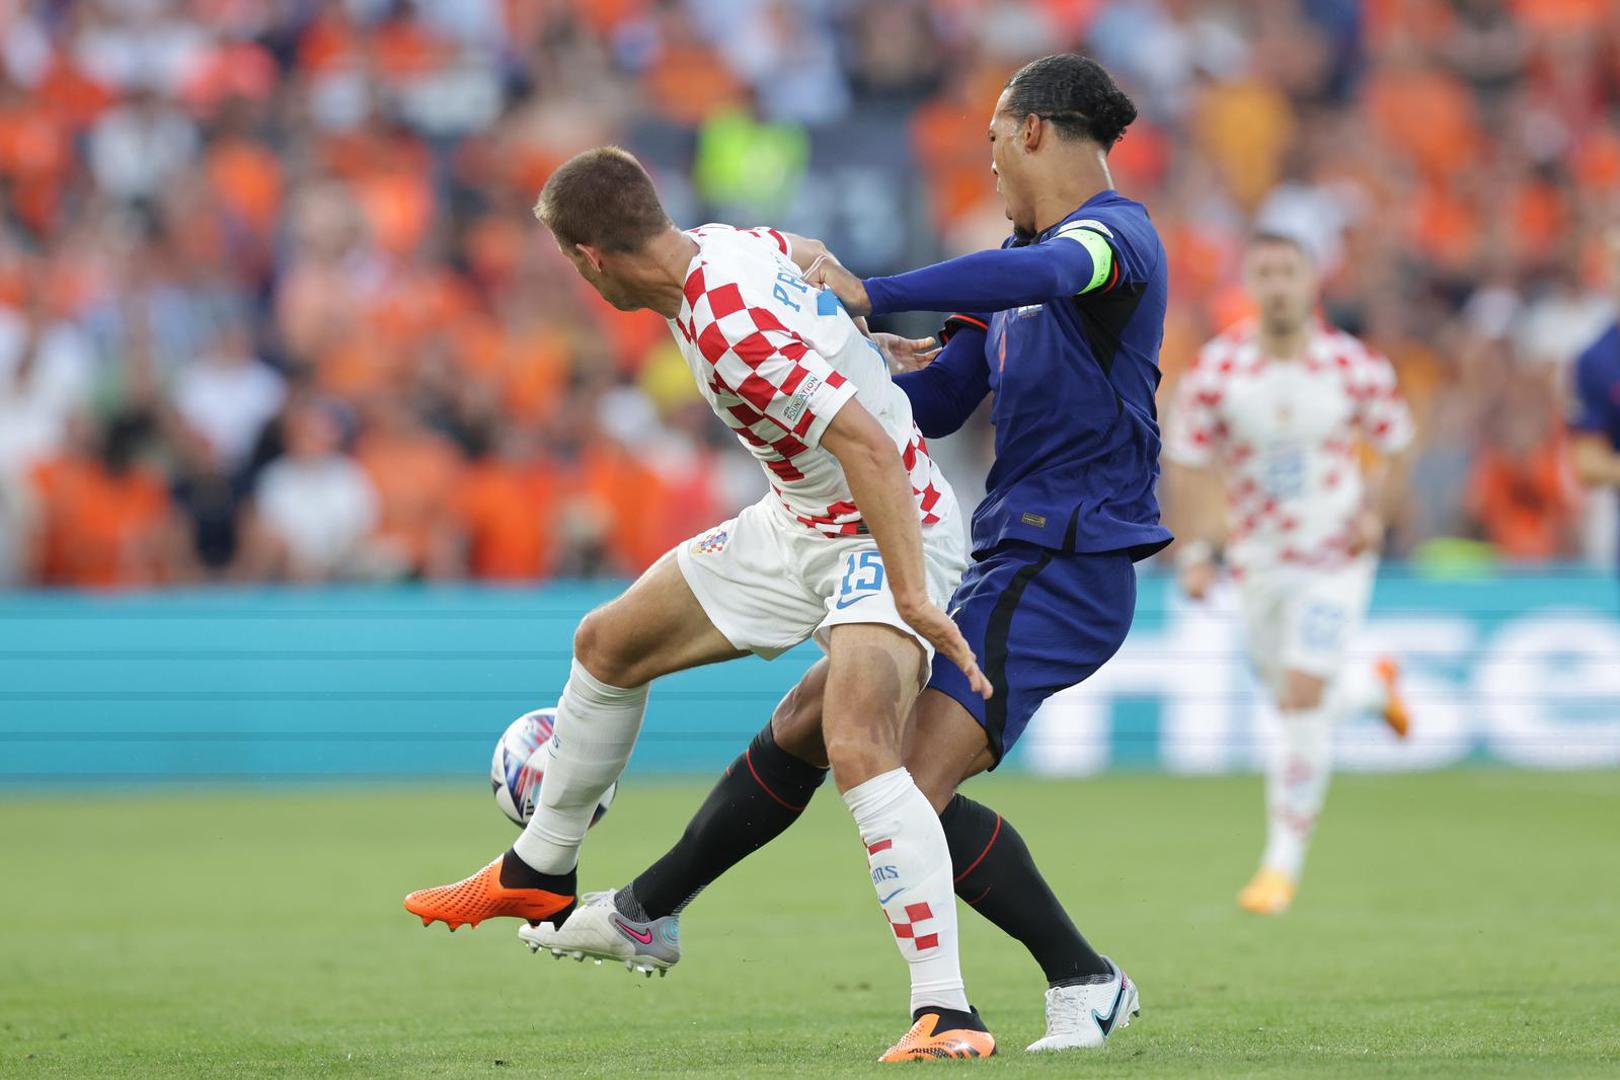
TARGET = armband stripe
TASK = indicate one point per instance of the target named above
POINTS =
(1102, 254)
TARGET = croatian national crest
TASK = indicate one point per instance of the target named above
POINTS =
(711, 542)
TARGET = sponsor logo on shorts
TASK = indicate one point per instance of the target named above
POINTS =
(711, 543)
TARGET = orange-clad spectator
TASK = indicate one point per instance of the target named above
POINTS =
(72, 95)
(1520, 489)
(1426, 113)
(507, 507)
(689, 81)
(415, 472)
(246, 175)
(35, 154)
(947, 135)
(1244, 128)
(103, 517)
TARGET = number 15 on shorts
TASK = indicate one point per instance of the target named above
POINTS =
(863, 577)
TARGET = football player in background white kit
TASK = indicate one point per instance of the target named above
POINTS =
(1278, 412)
(859, 544)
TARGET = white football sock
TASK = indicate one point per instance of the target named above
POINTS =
(1297, 775)
(596, 728)
(1357, 690)
(911, 870)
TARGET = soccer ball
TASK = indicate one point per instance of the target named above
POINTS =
(520, 761)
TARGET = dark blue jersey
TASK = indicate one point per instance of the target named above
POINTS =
(1064, 331)
(1597, 388)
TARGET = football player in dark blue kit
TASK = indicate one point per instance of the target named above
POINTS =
(1595, 421)
(1061, 327)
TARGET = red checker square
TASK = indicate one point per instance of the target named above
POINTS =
(927, 941)
(919, 912)
(725, 300)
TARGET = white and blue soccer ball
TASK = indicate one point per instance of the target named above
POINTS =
(519, 763)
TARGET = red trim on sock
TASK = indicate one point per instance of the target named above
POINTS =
(748, 756)
(988, 845)
(881, 845)
(975, 901)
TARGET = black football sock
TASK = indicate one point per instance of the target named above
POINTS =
(951, 1019)
(762, 793)
(997, 877)
(517, 874)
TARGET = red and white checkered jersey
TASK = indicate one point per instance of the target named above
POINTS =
(1285, 433)
(776, 359)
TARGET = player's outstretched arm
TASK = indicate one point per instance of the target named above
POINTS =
(1074, 262)
(878, 483)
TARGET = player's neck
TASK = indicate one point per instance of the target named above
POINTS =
(1289, 344)
(1078, 177)
(667, 257)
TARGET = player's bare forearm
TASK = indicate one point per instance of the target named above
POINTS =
(1596, 462)
(1197, 506)
(881, 490)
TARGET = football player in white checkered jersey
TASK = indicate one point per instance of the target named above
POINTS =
(859, 544)
(1278, 412)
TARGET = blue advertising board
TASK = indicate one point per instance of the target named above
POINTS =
(377, 683)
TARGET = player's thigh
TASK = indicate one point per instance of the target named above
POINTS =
(1262, 613)
(873, 675)
(1039, 621)
(944, 745)
(653, 628)
(1324, 612)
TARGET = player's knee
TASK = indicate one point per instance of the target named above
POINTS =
(600, 650)
(796, 726)
(1300, 690)
(856, 758)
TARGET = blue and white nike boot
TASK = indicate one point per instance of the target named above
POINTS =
(1082, 1017)
(597, 929)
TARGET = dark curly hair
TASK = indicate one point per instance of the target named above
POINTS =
(1076, 94)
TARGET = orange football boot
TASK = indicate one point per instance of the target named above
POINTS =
(472, 900)
(1269, 893)
(925, 1042)
(1396, 714)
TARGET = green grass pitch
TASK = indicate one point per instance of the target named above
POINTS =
(1458, 924)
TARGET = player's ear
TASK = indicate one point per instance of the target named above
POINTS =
(1030, 134)
(591, 255)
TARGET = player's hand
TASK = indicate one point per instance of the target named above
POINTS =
(906, 354)
(828, 273)
(925, 617)
(1198, 580)
(1366, 533)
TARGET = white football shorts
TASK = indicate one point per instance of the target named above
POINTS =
(767, 584)
(1303, 619)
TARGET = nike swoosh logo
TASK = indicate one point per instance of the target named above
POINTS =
(841, 604)
(1106, 1023)
(891, 896)
(643, 936)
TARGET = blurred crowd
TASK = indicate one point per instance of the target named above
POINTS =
(273, 307)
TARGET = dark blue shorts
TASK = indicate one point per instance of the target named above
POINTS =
(1039, 621)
